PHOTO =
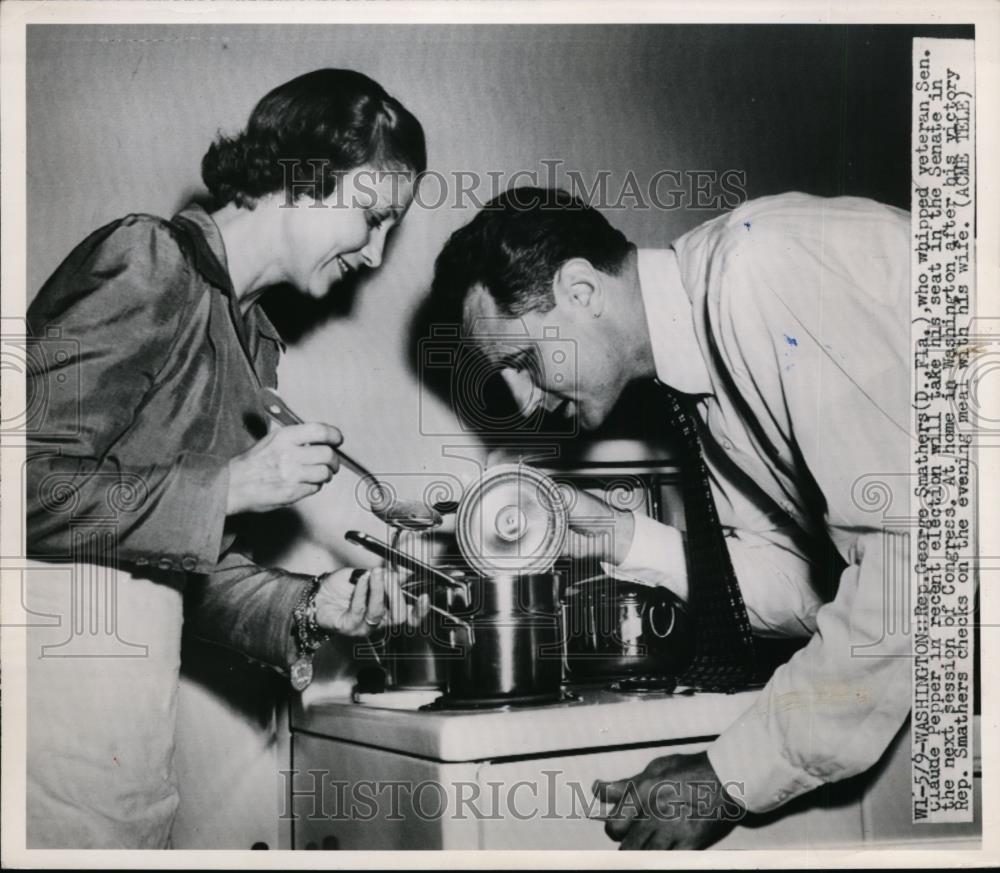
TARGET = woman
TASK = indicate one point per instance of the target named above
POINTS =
(151, 448)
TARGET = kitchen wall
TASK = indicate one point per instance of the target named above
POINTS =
(119, 117)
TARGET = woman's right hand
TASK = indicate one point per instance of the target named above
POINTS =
(288, 464)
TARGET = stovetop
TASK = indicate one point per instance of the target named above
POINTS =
(588, 717)
(434, 700)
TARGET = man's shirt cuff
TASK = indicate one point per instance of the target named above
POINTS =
(751, 767)
(656, 557)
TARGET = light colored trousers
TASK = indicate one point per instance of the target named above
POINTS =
(102, 677)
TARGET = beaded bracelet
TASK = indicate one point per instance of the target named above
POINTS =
(308, 635)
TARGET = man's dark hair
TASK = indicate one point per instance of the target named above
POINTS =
(316, 126)
(516, 244)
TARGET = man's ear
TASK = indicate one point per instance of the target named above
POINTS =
(579, 286)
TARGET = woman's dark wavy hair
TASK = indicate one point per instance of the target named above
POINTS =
(314, 127)
(516, 244)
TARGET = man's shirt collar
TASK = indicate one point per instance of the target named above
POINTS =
(677, 354)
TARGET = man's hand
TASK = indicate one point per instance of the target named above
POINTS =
(598, 531)
(677, 802)
(288, 464)
(373, 602)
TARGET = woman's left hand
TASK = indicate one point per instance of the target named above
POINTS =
(374, 601)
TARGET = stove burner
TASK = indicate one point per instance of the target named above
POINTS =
(498, 703)
(395, 699)
(645, 685)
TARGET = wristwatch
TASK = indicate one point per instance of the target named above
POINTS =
(308, 635)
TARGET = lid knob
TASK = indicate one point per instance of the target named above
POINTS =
(511, 523)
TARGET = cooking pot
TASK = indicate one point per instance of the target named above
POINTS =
(613, 628)
(509, 650)
(413, 658)
(417, 657)
(490, 639)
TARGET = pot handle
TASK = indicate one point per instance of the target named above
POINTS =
(398, 558)
(656, 626)
(564, 637)
(444, 614)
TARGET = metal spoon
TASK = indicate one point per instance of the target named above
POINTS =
(407, 514)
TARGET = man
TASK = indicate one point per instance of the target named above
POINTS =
(783, 327)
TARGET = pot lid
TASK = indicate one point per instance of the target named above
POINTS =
(512, 520)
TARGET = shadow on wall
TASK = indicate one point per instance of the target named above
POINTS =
(468, 384)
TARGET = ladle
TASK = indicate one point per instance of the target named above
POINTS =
(412, 515)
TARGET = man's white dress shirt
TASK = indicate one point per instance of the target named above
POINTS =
(788, 318)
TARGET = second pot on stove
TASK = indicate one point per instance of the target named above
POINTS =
(511, 651)
(617, 629)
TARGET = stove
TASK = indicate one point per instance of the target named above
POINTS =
(389, 771)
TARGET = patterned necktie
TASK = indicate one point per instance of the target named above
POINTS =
(725, 657)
